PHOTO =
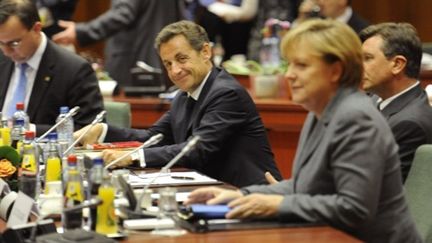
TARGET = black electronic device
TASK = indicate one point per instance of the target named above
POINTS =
(199, 222)
(72, 236)
(146, 81)
(130, 196)
(22, 233)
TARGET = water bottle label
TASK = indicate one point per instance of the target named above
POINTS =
(28, 163)
(73, 191)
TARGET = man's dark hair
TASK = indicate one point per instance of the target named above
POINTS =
(398, 39)
(194, 34)
(25, 10)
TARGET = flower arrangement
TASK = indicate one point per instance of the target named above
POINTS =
(9, 163)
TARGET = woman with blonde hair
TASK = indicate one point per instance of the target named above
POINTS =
(346, 170)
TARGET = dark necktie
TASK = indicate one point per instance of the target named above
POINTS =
(190, 103)
(20, 91)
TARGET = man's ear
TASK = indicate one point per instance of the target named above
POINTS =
(399, 63)
(37, 26)
(206, 51)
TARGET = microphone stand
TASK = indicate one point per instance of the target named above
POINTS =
(189, 146)
(72, 112)
(98, 119)
(151, 141)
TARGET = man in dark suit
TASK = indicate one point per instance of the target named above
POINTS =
(54, 76)
(392, 56)
(335, 9)
(234, 147)
(130, 27)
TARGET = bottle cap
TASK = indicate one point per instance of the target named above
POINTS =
(29, 135)
(52, 136)
(20, 106)
(64, 109)
(97, 161)
(72, 159)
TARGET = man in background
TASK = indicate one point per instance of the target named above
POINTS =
(39, 73)
(334, 9)
(129, 27)
(392, 56)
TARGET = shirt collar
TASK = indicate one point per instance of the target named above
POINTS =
(34, 60)
(345, 17)
(383, 103)
(196, 93)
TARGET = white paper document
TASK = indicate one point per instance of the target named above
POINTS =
(172, 178)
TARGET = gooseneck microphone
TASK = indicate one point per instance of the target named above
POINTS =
(86, 204)
(99, 117)
(188, 147)
(151, 141)
(72, 112)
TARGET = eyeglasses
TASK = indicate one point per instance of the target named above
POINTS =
(11, 44)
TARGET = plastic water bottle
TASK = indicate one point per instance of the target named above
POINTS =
(96, 178)
(21, 114)
(269, 54)
(53, 166)
(17, 134)
(65, 130)
(5, 132)
(106, 222)
(74, 195)
(29, 171)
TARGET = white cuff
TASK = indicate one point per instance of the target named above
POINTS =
(33, 127)
(139, 156)
(101, 138)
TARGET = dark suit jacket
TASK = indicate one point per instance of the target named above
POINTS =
(410, 118)
(346, 174)
(63, 79)
(234, 147)
(357, 23)
(131, 27)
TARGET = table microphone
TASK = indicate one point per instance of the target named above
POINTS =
(188, 147)
(72, 112)
(151, 141)
(86, 204)
(99, 117)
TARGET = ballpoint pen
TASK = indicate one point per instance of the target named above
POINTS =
(183, 178)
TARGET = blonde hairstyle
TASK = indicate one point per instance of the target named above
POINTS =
(333, 41)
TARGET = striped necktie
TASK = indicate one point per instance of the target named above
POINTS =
(20, 91)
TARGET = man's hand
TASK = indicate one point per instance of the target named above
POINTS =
(91, 136)
(255, 206)
(212, 195)
(109, 155)
(68, 35)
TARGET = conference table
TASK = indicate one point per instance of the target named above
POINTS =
(283, 235)
(297, 233)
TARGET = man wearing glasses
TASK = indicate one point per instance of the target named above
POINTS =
(39, 73)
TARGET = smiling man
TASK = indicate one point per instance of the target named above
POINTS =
(234, 147)
(392, 56)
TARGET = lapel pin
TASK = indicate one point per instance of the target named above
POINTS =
(47, 78)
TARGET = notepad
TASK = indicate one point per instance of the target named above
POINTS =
(171, 179)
